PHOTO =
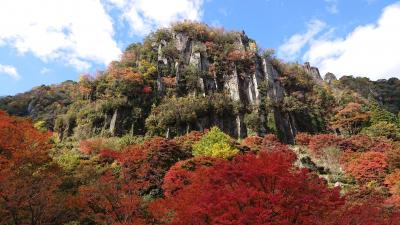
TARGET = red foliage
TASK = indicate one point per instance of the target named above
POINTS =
(251, 189)
(147, 90)
(182, 173)
(253, 142)
(393, 158)
(268, 143)
(303, 138)
(357, 143)
(382, 145)
(370, 213)
(369, 166)
(111, 201)
(108, 155)
(186, 142)
(92, 146)
(149, 162)
(365, 206)
(29, 180)
(321, 141)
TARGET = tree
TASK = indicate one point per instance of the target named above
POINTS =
(393, 183)
(379, 114)
(29, 179)
(183, 172)
(369, 166)
(111, 200)
(215, 143)
(351, 119)
(148, 163)
(383, 129)
(251, 189)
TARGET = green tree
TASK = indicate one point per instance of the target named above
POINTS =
(379, 114)
(383, 129)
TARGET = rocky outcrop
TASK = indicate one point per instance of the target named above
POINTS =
(313, 71)
(242, 86)
(329, 78)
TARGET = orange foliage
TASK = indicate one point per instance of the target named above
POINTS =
(236, 55)
(28, 178)
(303, 138)
(350, 118)
(393, 157)
(125, 73)
(92, 146)
(369, 166)
(169, 81)
(253, 142)
(393, 183)
(267, 143)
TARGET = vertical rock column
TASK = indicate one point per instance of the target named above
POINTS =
(277, 93)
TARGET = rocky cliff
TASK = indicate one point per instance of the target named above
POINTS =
(242, 82)
(188, 77)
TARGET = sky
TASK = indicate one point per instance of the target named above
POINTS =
(48, 41)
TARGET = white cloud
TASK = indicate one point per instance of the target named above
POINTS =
(371, 50)
(10, 71)
(144, 16)
(291, 48)
(77, 32)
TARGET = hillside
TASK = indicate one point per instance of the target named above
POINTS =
(193, 77)
(198, 125)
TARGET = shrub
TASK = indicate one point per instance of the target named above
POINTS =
(251, 189)
(303, 138)
(183, 172)
(93, 146)
(215, 144)
(187, 141)
(253, 142)
(148, 163)
(321, 141)
(369, 166)
(383, 129)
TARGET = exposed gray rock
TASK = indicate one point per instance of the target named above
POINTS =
(113, 122)
(329, 78)
(232, 85)
(313, 71)
(242, 87)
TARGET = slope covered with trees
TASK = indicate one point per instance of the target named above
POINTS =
(198, 125)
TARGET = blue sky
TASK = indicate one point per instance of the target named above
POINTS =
(47, 41)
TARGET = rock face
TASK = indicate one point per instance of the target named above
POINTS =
(313, 71)
(228, 67)
(242, 86)
(329, 78)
